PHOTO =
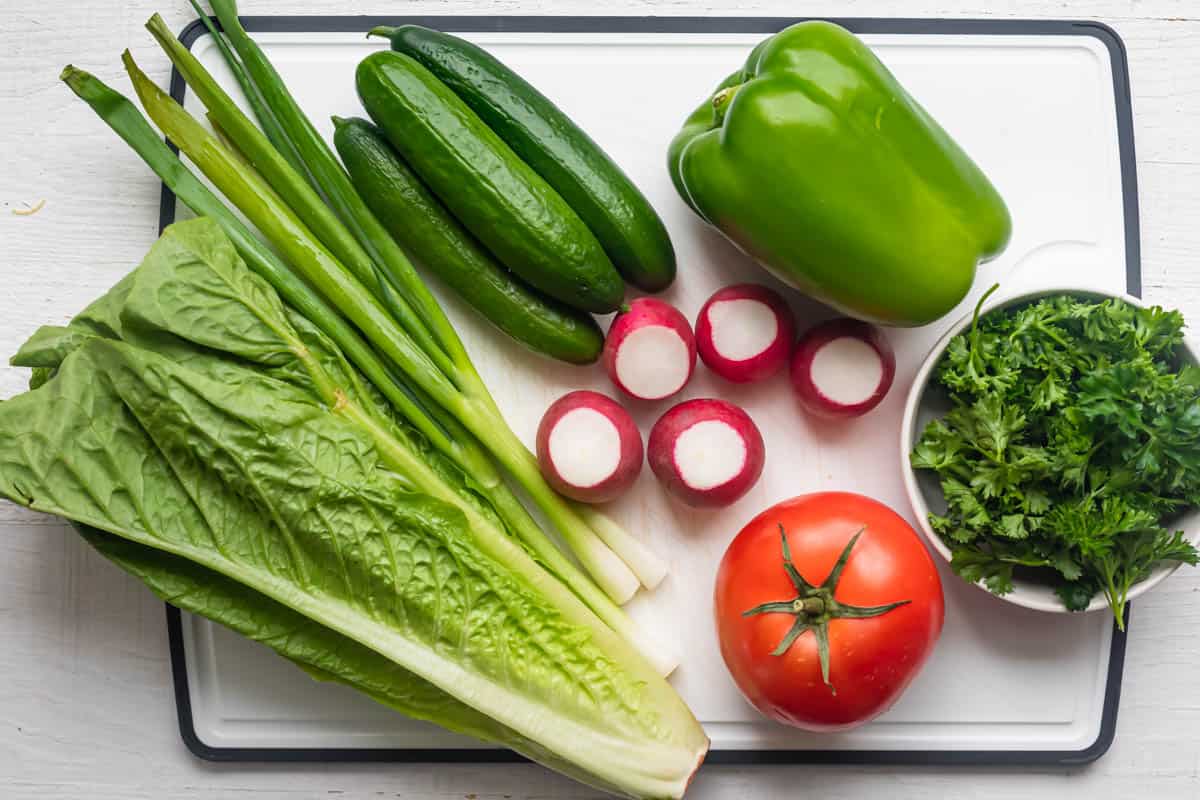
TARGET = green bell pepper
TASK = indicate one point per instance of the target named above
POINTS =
(815, 161)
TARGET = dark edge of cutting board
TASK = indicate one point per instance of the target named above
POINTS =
(765, 25)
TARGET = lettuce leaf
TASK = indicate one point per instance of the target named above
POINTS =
(236, 463)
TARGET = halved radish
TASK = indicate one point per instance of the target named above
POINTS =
(706, 452)
(588, 447)
(650, 351)
(842, 368)
(744, 333)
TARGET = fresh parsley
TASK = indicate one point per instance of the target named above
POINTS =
(1073, 440)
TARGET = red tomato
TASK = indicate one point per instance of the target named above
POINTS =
(881, 616)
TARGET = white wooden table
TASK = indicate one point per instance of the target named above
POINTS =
(86, 706)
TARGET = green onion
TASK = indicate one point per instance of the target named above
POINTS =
(649, 568)
(270, 125)
(293, 188)
(124, 118)
(256, 199)
(332, 182)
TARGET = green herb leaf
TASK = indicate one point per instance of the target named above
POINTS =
(976, 566)
(1073, 433)
(1076, 595)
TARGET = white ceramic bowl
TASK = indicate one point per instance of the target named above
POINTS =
(926, 403)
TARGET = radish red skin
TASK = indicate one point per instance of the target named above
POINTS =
(762, 365)
(671, 425)
(629, 466)
(643, 312)
(811, 396)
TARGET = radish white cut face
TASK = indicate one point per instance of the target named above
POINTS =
(709, 454)
(588, 447)
(847, 370)
(653, 362)
(706, 452)
(743, 328)
(585, 447)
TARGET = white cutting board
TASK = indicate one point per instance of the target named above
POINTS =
(1037, 112)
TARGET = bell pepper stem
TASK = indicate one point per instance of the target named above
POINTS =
(721, 101)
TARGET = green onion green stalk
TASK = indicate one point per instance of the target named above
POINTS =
(423, 395)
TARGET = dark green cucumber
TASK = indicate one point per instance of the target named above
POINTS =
(435, 239)
(622, 218)
(498, 197)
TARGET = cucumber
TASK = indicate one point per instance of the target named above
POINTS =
(511, 210)
(434, 238)
(627, 226)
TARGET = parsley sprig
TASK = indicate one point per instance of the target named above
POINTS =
(1073, 440)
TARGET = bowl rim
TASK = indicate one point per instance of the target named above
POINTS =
(1024, 594)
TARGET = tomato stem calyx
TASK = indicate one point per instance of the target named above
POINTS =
(814, 606)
